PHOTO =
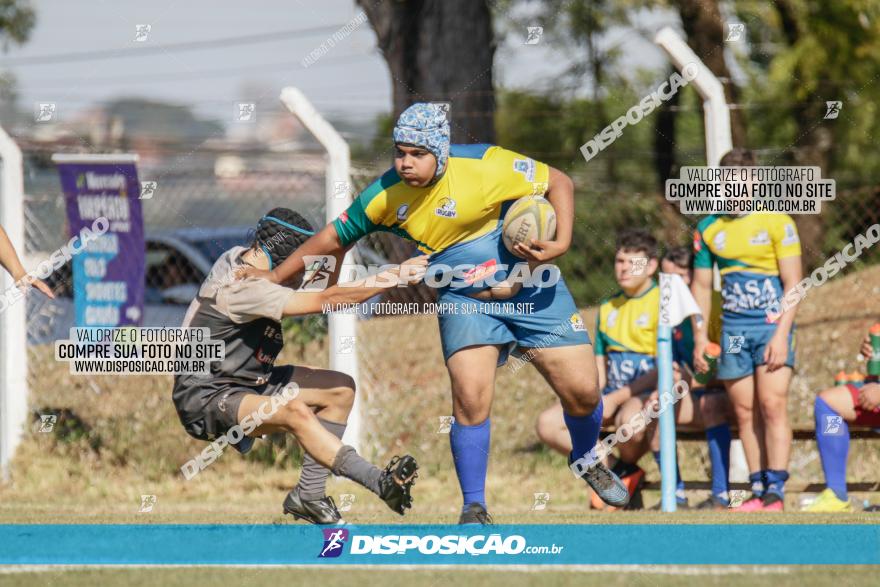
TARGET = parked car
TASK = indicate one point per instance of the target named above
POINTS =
(176, 263)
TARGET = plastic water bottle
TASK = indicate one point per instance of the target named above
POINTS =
(711, 354)
(874, 361)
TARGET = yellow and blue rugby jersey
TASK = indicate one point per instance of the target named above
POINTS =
(626, 334)
(467, 202)
(747, 250)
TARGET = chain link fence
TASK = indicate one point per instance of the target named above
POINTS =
(212, 199)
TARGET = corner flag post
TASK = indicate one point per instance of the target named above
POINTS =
(667, 418)
(716, 116)
(676, 305)
(664, 391)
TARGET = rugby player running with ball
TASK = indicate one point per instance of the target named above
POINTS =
(451, 200)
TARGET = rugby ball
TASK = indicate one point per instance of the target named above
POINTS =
(532, 217)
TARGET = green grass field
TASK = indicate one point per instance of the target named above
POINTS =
(580, 577)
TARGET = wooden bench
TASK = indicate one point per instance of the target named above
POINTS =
(800, 434)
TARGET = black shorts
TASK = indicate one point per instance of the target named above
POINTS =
(210, 411)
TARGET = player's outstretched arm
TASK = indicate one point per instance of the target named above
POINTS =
(325, 242)
(409, 272)
(9, 260)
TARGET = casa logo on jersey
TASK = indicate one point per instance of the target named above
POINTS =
(334, 539)
(446, 208)
(720, 241)
(762, 238)
(791, 236)
(749, 294)
(698, 241)
(622, 371)
(577, 323)
(526, 167)
(643, 320)
(402, 212)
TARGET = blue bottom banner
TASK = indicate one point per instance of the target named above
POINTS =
(691, 544)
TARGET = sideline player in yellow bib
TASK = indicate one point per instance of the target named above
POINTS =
(759, 258)
(626, 351)
(451, 200)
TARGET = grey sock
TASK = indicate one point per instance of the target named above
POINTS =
(313, 478)
(349, 463)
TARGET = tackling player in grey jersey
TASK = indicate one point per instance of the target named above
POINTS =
(246, 316)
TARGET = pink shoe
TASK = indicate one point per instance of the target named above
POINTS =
(752, 504)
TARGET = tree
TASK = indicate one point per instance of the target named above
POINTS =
(577, 27)
(701, 21)
(440, 51)
(818, 51)
(8, 97)
(17, 19)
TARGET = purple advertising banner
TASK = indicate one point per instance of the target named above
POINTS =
(104, 210)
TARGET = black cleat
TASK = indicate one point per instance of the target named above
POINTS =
(319, 511)
(475, 513)
(395, 482)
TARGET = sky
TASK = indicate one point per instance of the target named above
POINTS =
(243, 57)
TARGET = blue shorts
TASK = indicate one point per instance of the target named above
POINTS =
(742, 349)
(554, 321)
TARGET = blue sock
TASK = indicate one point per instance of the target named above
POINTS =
(775, 481)
(584, 432)
(757, 481)
(679, 484)
(832, 438)
(470, 451)
(718, 438)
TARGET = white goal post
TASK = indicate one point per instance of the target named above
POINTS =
(716, 112)
(342, 328)
(716, 116)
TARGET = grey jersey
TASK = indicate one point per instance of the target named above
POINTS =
(246, 316)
